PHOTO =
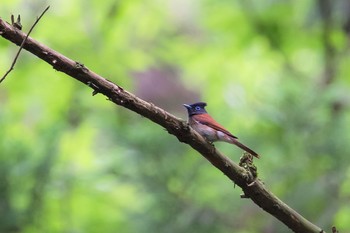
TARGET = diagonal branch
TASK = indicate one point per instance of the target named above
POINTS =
(254, 190)
(17, 24)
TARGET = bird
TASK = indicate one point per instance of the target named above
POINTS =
(212, 131)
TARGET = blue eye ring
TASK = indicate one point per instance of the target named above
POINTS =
(197, 108)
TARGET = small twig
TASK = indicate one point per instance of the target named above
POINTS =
(23, 42)
(17, 23)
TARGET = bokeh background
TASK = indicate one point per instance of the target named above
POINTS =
(274, 72)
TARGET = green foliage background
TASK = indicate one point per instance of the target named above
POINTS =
(276, 73)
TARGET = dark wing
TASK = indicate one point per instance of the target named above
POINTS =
(206, 119)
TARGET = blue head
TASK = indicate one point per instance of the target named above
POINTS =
(196, 108)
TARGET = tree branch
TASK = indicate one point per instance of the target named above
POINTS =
(253, 189)
(18, 26)
(326, 13)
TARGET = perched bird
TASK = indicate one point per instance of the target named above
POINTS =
(205, 125)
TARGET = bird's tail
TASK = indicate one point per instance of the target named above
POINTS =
(243, 147)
